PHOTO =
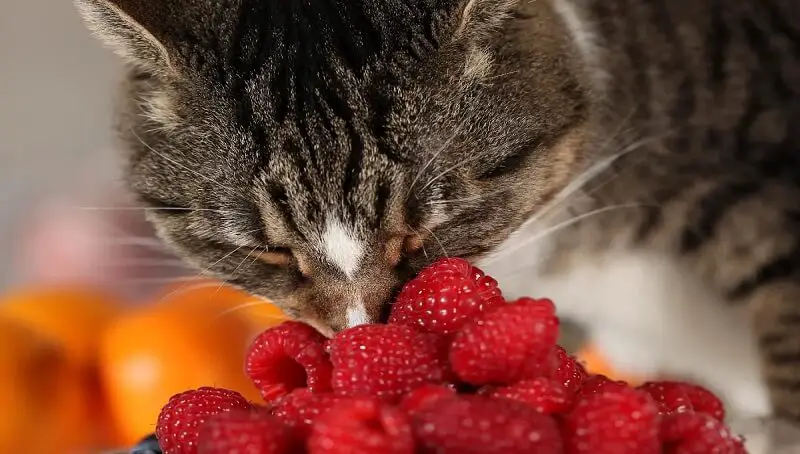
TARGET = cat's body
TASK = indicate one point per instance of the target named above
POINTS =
(649, 145)
(687, 230)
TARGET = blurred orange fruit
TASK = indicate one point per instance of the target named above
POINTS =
(596, 362)
(70, 316)
(224, 299)
(32, 383)
(149, 355)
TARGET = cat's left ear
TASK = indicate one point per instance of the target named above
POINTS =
(127, 27)
(481, 18)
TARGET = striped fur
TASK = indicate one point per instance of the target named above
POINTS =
(459, 125)
(716, 84)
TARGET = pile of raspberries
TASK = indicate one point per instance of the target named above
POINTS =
(457, 370)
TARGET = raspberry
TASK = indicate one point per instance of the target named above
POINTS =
(385, 361)
(300, 409)
(703, 400)
(595, 384)
(287, 357)
(424, 396)
(361, 426)
(545, 395)
(476, 424)
(570, 372)
(698, 433)
(180, 419)
(444, 295)
(621, 421)
(508, 344)
(245, 432)
(669, 396)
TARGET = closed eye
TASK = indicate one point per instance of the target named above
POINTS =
(512, 161)
(277, 256)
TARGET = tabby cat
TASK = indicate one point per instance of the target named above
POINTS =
(319, 152)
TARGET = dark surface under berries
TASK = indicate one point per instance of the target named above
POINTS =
(148, 445)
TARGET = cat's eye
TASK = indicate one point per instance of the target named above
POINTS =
(399, 247)
(284, 257)
(277, 256)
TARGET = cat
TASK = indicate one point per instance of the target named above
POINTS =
(636, 160)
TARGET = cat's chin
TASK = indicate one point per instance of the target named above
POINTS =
(322, 327)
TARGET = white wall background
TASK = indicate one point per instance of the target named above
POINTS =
(56, 87)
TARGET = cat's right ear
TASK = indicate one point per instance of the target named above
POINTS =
(125, 27)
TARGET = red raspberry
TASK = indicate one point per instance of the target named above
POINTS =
(508, 344)
(286, 357)
(444, 295)
(622, 421)
(698, 433)
(385, 361)
(300, 408)
(570, 372)
(703, 400)
(361, 426)
(424, 396)
(595, 384)
(545, 395)
(180, 419)
(669, 396)
(476, 424)
(246, 432)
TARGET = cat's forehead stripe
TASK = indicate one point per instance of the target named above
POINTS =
(342, 247)
(356, 313)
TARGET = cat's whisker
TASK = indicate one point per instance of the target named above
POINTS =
(577, 184)
(149, 243)
(637, 145)
(152, 263)
(183, 166)
(190, 288)
(248, 304)
(207, 270)
(424, 251)
(546, 233)
(451, 168)
(263, 250)
(559, 201)
(160, 280)
(132, 240)
(222, 284)
(444, 146)
(467, 199)
(490, 81)
(132, 208)
(249, 254)
(441, 246)
(451, 201)
(588, 175)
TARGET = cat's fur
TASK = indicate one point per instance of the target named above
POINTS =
(319, 152)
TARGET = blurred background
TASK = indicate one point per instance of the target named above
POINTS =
(96, 333)
(99, 326)
(55, 103)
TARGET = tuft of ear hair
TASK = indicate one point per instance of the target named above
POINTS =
(481, 18)
(123, 27)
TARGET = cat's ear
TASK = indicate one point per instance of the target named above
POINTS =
(125, 27)
(481, 18)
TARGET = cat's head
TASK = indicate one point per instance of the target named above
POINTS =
(320, 152)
